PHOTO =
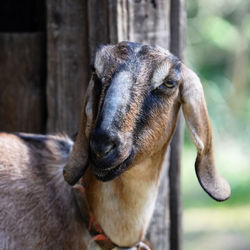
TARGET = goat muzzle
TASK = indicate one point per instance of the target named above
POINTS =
(110, 154)
(103, 144)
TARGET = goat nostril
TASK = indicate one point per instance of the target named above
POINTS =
(105, 151)
(102, 149)
(108, 149)
(103, 143)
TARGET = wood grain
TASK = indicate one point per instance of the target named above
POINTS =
(177, 44)
(22, 82)
(67, 63)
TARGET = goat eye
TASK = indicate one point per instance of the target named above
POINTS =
(169, 84)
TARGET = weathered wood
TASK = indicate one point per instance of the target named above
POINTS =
(150, 22)
(178, 25)
(158, 232)
(22, 82)
(140, 21)
(68, 63)
(175, 201)
(98, 23)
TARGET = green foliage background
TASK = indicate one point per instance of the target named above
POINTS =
(218, 39)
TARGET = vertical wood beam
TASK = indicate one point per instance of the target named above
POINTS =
(177, 44)
(98, 24)
(67, 63)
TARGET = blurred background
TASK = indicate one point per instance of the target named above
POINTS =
(218, 39)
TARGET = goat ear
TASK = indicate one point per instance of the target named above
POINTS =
(78, 160)
(196, 116)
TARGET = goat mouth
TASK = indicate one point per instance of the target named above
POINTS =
(104, 173)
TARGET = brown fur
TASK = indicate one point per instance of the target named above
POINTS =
(114, 203)
(38, 208)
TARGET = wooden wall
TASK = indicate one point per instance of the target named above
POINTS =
(22, 66)
(44, 71)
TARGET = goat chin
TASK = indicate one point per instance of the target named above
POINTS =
(128, 118)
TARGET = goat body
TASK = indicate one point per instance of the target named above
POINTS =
(37, 208)
(128, 118)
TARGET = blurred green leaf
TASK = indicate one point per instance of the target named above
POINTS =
(220, 32)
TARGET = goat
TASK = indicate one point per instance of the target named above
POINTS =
(128, 117)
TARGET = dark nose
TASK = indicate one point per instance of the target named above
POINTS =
(102, 143)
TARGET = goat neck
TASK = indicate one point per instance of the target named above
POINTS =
(123, 206)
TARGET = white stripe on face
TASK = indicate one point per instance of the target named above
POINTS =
(160, 74)
(117, 97)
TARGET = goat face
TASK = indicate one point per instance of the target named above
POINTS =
(130, 112)
(136, 95)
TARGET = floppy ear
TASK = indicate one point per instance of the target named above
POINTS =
(196, 116)
(78, 160)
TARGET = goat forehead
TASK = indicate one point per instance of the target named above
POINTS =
(135, 56)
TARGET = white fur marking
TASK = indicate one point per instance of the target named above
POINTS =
(160, 74)
(117, 97)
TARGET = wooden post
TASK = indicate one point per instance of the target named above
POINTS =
(178, 25)
(67, 63)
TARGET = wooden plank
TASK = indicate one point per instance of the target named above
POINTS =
(158, 232)
(150, 22)
(175, 198)
(98, 23)
(178, 26)
(67, 63)
(140, 21)
(22, 82)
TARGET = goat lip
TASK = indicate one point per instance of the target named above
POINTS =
(110, 173)
(113, 159)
